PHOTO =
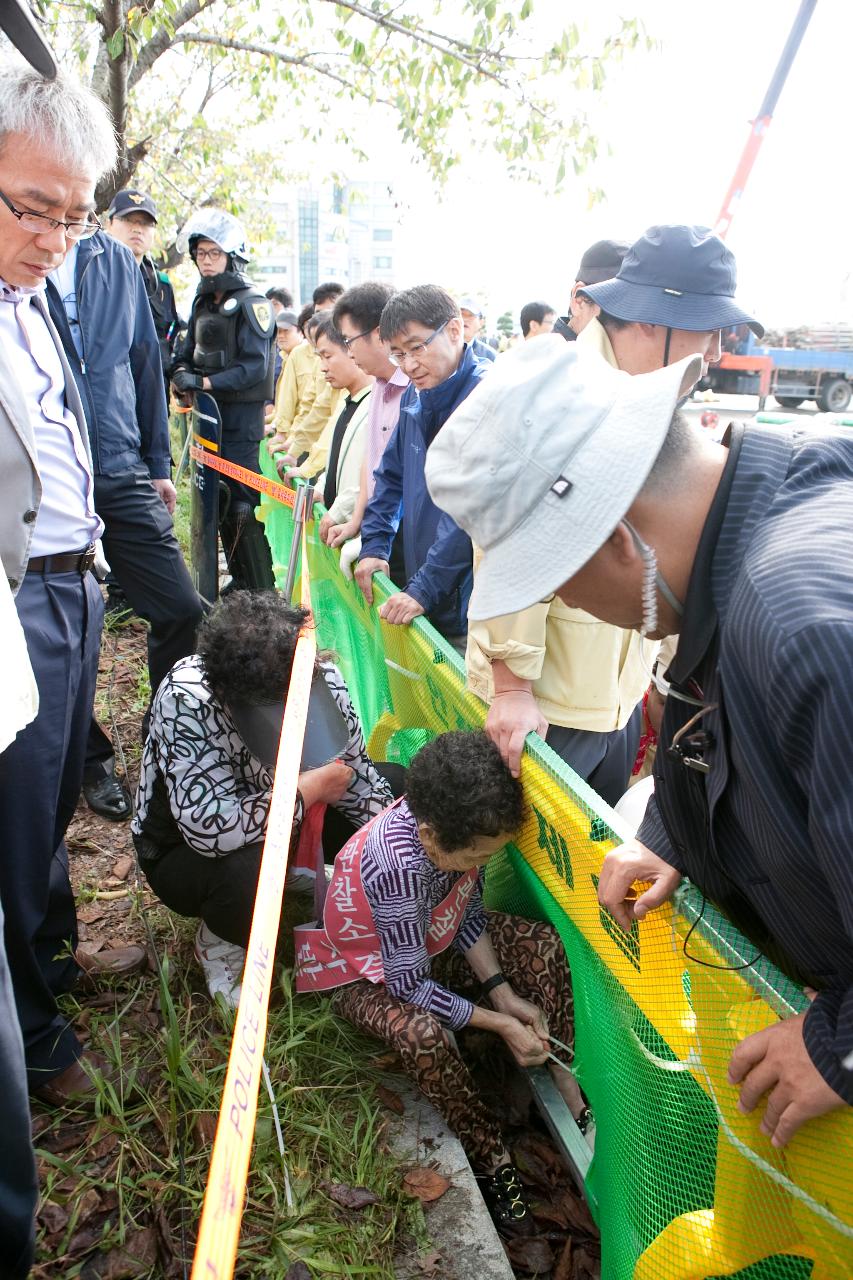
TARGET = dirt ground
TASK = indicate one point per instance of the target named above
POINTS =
(100, 852)
(89, 1225)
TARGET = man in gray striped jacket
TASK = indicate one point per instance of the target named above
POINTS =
(746, 550)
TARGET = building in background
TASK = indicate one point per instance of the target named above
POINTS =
(334, 232)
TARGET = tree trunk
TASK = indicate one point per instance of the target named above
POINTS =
(116, 35)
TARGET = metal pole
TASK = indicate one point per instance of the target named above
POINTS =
(185, 453)
(304, 502)
(761, 123)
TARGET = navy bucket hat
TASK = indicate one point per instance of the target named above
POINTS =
(677, 276)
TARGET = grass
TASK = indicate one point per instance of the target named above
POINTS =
(135, 1173)
(182, 511)
(131, 1177)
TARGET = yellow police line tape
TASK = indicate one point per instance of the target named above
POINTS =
(280, 492)
(219, 1230)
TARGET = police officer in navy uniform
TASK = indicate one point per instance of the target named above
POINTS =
(132, 220)
(228, 352)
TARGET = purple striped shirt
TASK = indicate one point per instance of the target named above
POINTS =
(403, 887)
(382, 419)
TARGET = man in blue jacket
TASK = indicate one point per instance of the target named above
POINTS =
(423, 328)
(98, 303)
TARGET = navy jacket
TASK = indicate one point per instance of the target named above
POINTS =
(120, 376)
(437, 553)
(767, 645)
(483, 350)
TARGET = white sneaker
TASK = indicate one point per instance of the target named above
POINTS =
(222, 963)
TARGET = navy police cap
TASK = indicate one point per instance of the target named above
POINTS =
(131, 201)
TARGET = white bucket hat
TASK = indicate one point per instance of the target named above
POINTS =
(543, 460)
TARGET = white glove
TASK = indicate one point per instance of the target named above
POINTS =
(350, 552)
(101, 565)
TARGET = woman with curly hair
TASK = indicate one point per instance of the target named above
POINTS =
(204, 792)
(413, 956)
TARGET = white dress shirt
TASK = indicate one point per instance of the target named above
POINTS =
(66, 520)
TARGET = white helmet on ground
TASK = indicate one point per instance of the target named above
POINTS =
(216, 225)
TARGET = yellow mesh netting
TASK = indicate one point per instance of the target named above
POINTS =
(682, 1184)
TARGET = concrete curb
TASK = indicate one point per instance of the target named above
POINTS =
(458, 1224)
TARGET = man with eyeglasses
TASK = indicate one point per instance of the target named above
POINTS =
(55, 142)
(99, 303)
(424, 333)
(357, 315)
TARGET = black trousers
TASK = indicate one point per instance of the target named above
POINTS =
(243, 539)
(18, 1184)
(140, 544)
(41, 773)
(604, 760)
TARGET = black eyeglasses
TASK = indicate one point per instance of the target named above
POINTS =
(399, 358)
(349, 341)
(41, 224)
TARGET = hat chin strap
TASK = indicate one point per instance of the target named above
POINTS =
(665, 351)
(653, 582)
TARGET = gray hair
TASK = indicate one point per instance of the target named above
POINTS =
(61, 115)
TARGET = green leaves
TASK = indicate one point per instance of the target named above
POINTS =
(115, 44)
(485, 77)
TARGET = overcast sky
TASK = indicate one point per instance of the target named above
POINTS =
(676, 121)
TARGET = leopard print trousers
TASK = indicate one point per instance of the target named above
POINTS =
(531, 956)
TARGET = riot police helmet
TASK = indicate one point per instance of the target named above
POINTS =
(220, 227)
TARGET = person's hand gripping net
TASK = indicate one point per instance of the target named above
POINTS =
(632, 863)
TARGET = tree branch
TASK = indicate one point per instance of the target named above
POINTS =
(164, 38)
(122, 174)
(270, 51)
(422, 35)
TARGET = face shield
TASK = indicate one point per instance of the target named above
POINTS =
(218, 226)
(326, 730)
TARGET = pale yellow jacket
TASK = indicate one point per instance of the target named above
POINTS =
(296, 389)
(327, 406)
(585, 673)
(310, 426)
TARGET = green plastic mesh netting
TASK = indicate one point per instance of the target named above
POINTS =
(682, 1185)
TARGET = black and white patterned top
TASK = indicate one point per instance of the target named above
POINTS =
(199, 783)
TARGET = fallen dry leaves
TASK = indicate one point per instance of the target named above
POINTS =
(425, 1184)
(390, 1099)
(350, 1197)
(531, 1253)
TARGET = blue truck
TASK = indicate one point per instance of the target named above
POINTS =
(792, 374)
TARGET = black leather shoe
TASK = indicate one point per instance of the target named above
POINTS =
(108, 797)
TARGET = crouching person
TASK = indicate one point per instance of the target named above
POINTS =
(205, 784)
(413, 956)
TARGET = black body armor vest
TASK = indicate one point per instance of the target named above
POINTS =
(215, 335)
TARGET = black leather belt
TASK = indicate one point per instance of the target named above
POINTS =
(66, 562)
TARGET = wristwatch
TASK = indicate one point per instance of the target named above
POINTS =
(490, 983)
